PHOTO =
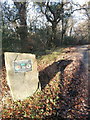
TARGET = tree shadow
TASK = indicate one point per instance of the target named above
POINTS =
(49, 72)
(70, 96)
(72, 93)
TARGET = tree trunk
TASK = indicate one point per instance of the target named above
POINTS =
(62, 36)
(54, 37)
(70, 31)
(22, 29)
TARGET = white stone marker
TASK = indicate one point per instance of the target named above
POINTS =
(22, 74)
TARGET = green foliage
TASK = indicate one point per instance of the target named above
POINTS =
(10, 41)
(40, 39)
(69, 40)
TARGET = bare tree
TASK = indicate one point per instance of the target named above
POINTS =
(22, 28)
(53, 13)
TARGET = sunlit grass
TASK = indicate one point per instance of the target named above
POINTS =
(51, 55)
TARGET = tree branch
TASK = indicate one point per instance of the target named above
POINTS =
(78, 9)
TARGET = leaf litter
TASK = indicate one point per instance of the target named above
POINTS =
(64, 92)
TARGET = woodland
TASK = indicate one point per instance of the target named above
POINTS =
(39, 26)
(58, 33)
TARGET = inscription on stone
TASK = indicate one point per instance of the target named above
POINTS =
(22, 66)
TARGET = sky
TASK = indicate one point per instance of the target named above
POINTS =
(81, 1)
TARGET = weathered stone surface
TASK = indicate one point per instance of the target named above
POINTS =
(22, 83)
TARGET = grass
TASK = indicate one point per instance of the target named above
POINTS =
(51, 55)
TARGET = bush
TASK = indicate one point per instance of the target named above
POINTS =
(69, 40)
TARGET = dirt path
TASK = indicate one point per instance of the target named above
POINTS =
(75, 84)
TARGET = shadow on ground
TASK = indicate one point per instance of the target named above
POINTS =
(49, 72)
(71, 94)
